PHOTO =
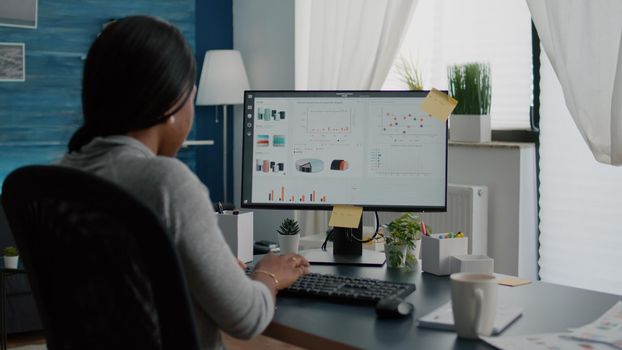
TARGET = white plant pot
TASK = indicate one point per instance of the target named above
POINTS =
(469, 128)
(10, 262)
(289, 243)
(418, 249)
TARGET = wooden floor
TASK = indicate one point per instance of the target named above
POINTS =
(23, 339)
(259, 342)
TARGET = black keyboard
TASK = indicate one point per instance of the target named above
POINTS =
(343, 289)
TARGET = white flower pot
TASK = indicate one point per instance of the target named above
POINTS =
(418, 248)
(469, 128)
(10, 262)
(289, 243)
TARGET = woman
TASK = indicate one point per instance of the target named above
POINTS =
(137, 95)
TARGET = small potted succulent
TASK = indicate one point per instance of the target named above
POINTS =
(11, 257)
(403, 241)
(289, 236)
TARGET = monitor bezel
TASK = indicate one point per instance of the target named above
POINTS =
(247, 166)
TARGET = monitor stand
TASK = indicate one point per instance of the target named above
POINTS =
(346, 250)
(321, 257)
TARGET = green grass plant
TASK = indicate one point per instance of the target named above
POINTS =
(10, 251)
(409, 74)
(470, 84)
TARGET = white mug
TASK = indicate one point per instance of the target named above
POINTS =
(474, 303)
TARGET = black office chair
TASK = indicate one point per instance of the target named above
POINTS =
(102, 269)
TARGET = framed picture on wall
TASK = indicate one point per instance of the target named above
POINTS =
(18, 13)
(12, 62)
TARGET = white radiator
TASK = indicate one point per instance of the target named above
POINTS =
(467, 211)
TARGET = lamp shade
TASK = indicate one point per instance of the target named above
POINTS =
(223, 79)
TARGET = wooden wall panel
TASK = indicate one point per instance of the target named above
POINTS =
(38, 116)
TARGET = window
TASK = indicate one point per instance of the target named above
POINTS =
(580, 201)
(445, 32)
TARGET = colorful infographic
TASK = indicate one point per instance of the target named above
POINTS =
(268, 114)
(339, 164)
(278, 140)
(282, 195)
(269, 166)
(309, 165)
(263, 140)
(350, 149)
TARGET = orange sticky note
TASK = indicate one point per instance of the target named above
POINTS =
(439, 105)
(345, 216)
(512, 281)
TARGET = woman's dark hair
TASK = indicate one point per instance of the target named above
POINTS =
(136, 71)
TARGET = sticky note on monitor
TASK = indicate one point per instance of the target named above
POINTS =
(345, 216)
(439, 105)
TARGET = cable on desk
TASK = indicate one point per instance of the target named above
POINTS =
(372, 237)
(350, 236)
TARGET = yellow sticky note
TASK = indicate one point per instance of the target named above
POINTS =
(512, 281)
(345, 216)
(439, 105)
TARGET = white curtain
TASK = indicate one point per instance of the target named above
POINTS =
(444, 32)
(346, 44)
(580, 199)
(582, 39)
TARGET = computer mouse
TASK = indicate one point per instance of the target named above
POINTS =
(394, 308)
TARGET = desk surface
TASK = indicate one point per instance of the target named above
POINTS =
(317, 324)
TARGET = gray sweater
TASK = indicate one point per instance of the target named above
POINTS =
(224, 298)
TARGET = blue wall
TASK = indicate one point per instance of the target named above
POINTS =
(38, 116)
(214, 28)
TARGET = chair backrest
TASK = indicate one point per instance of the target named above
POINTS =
(102, 268)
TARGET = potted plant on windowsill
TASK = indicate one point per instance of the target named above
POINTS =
(470, 85)
(289, 236)
(409, 74)
(11, 257)
(402, 241)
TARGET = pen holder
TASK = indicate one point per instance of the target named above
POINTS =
(436, 253)
(237, 229)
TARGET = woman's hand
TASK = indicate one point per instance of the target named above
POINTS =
(241, 264)
(286, 268)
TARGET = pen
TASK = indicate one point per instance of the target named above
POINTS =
(220, 211)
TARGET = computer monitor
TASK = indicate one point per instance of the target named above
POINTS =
(315, 149)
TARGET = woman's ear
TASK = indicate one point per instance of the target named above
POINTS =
(171, 120)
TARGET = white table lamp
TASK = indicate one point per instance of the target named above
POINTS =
(223, 81)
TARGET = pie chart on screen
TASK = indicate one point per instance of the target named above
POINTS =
(309, 165)
(339, 164)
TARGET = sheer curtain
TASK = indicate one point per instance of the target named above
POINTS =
(580, 201)
(582, 39)
(445, 32)
(580, 198)
(346, 44)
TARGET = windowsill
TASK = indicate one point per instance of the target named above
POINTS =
(510, 136)
(493, 144)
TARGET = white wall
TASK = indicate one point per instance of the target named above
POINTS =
(508, 169)
(263, 31)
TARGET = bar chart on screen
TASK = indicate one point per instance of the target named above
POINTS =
(282, 195)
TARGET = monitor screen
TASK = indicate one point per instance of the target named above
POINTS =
(315, 149)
